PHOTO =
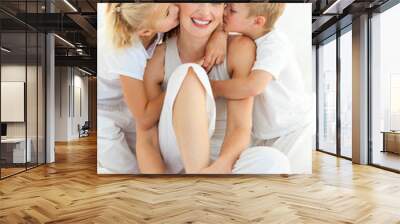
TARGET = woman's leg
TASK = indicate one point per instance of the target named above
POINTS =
(188, 113)
(190, 120)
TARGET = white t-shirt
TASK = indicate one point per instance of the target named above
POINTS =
(284, 105)
(112, 62)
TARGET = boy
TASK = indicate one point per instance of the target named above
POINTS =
(282, 108)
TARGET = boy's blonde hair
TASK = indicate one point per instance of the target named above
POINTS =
(124, 19)
(271, 12)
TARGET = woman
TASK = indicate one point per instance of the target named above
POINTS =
(189, 113)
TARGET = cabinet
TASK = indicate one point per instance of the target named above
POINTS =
(391, 141)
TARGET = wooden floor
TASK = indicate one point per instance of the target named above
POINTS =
(5, 172)
(70, 191)
(388, 159)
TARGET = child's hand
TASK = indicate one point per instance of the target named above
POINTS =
(200, 62)
(215, 50)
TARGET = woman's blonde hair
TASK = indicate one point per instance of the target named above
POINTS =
(124, 19)
(270, 11)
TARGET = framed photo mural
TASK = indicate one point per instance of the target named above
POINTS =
(204, 88)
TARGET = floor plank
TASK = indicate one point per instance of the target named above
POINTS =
(70, 191)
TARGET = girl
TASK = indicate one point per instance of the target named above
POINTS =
(126, 116)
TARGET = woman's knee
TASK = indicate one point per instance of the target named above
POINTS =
(192, 81)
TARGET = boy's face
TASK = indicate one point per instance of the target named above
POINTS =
(236, 17)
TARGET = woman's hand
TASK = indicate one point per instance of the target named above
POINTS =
(219, 166)
(216, 49)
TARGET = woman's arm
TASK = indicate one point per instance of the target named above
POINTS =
(241, 55)
(148, 151)
(154, 74)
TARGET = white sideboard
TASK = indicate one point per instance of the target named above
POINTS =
(18, 145)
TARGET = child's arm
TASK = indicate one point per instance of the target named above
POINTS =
(145, 98)
(145, 115)
(215, 49)
(146, 112)
(241, 88)
(146, 108)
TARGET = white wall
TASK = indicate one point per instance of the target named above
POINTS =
(101, 10)
(296, 24)
(314, 87)
(61, 103)
(79, 117)
(314, 69)
(68, 82)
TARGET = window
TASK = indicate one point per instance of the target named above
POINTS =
(395, 102)
(385, 88)
(346, 75)
(22, 66)
(327, 97)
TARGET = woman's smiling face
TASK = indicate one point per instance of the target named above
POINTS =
(201, 19)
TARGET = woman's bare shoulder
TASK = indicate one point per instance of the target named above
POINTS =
(240, 49)
(159, 53)
(240, 42)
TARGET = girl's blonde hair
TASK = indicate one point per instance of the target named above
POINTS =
(271, 12)
(124, 19)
